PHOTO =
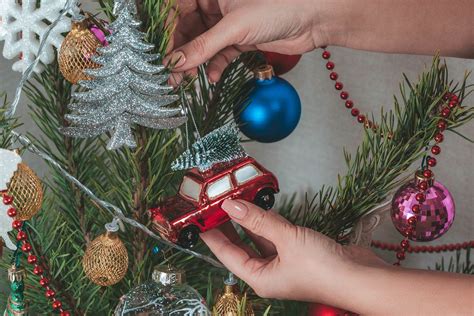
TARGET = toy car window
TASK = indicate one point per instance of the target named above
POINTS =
(246, 173)
(219, 187)
(190, 189)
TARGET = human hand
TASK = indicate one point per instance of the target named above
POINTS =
(220, 30)
(292, 262)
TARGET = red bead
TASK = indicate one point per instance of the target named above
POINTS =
(454, 97)
(338, 85)
(412, 220)
(344, 95)
(326, 54)
(404, 244)
(50, 293)
(361, 118)
(21, 235)
(32, 259)
(333, 75)
(11, 212)
(442, 125)
(44, 282)
(17, 224)
(26, 247)
(349, 104)
(330, 65)
(430, 249)
(431, 161)
(38, 270)
(446, 96)
(423, 185)
(435, 150)
(7, 199)
(445, 112)
(65, 313)
(439, 138)
(415, 208)
(451, 247)
(427, 173)
(355, 112)
(452, 104)
(401, 255)
(407, 233)
(444, 247)
(57, 304)
(420, 197)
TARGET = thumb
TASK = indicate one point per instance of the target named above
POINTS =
(266, 224)
(203, 47)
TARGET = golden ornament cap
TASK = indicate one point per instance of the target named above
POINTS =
(27, 192)
(105, 260)
(264, 72)
(168, 275)
(17, 274)
(228, 303)
(419, 177)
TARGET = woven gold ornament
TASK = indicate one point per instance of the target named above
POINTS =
(229, 302)
(27, 192)
(76, 51)
(105, 261)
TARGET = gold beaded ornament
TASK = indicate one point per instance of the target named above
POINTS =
(26, 188)
(105, 260)
(76, 51)
(228, 303)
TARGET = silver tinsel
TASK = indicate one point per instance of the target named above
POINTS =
(127, 89)
(220, 145)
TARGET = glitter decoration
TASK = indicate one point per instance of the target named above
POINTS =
(23, 27)
(436, 213)
(220, 145)
(127, 88)
(165, 295)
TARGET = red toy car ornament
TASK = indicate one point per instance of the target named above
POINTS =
(197, 206)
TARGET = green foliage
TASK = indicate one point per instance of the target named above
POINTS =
(458, 263)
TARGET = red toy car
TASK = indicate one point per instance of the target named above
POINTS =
(197, 206)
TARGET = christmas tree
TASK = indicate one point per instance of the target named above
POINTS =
(136, 179)
(126, 88)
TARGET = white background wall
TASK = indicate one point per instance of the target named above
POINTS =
(312, 155)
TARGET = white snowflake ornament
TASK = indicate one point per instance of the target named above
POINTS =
(9, 161)
(23, 27)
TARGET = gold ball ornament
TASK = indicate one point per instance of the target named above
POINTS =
(105, 261)
(76, 51)
(229, 302)
(27, 192)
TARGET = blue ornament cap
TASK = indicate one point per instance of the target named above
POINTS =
(272, 110)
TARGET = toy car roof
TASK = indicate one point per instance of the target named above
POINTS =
(220, 168)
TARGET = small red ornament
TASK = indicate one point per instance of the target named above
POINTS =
(65, 313)
(349, 104)
(281, 63)
(21, 235)
(423, 185)
(355, 112)
(11, 212)
(344, 95)
(7, 199)
(50, 293)
(17, 224)
(32, 259)
(26, 247)
(442, 125)
(38, 270)
(420, 197)
(57, 304)
(452, 104)
(44, 282)
(435, 150)
(330, 65)
(445, 112)
(401, 255)
(333, 75)
(405, 244)
(431, 161)
(427, 173)
(361, 118)
(315, 309)
(338, 85)
(194, 209)
(439, 138)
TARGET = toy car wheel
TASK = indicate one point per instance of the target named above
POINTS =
(265, 199)
(188, 236)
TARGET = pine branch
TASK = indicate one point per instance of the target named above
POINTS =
(457, 264)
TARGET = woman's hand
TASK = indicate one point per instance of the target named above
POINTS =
(292, 262)
(219, 30)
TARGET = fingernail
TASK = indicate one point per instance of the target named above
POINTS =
(177, 59)
(235, 209)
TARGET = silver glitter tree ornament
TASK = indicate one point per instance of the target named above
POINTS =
(220, 145)
(127, 88)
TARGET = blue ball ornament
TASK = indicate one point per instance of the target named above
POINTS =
(272, 110)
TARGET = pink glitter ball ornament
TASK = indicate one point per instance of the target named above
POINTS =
(436, 213)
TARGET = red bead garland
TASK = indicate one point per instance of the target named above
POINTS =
(31, 258)
(422, 249)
